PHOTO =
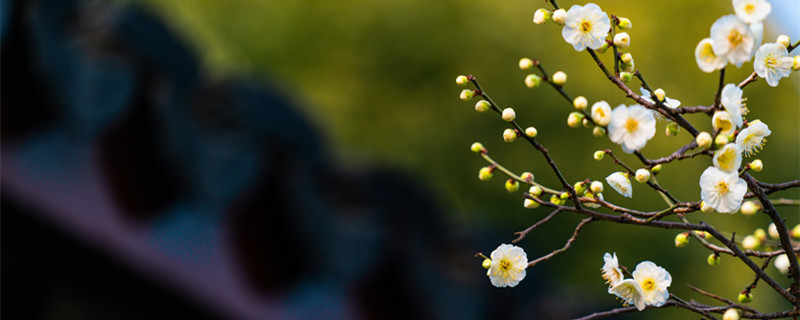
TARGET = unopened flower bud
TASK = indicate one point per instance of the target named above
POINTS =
(598, 155)
(596, 187)
(603, 48)
(703, 140)
(745, 297)
(579, 187)
(560, 16)
(660, 94)
(574, 119)
(626, 76)
(530, 204)
(713, 259)
(624, 23)
(462, 80)
(467, 94)
(560, 78)
(477, 147)
(535, 191)
(721, 140)
(628, 67)
(527, 176)
(532, 80)
(784, 40)
(531, 132)
(485, 173)
(731, 314)
(656, 169)
(760, 234)
(564, 196)
(672, 129)
(554, 199)
(487, 263)
(599, 132)
(525, 63)
(482, 106)
(642, 175)
(756, 165)
(796, 63)
(705, 207)
(702, 234)
(782, 263)
(512, 185)
(580, 103)
(750, 242)
(622, 40)
(772, 230)
(509, 135)
(681, 240)
(586, 123)
(541, 16)
(626, 57)
(509, 114)
(749, 208)
(795, 232)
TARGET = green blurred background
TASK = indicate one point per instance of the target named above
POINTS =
(378, 78)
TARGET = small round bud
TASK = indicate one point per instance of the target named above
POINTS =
(756, 165)
(703, 140)
(598, 155)
(626, 57)
(462, 80)
(599, 132)
(580, 103)
(750, 242)
(626, 76)
(512, 185)
(795, 232)
(532, 81)
(525, 63)
(579, 187)
(681, 240)
(477, 147)
(772, 230)
(527, 176)
(672, 129)
(560, 78)
(487, 263)
(760, 234)
(482, 106)
(796, 63)
(784, 40)
(509, 114)
(541, 16)
(531, 132)
(554, 199)
(660, 94)
(535, 191)
(560, 16)
(721, 140)
(586, 123)
(485, 173)
(622, 40)
(749, 208)
(628, 67)
(642, 175)
(705, 207)
(656, 169)
(574, 119)
(564, 196)
(467, 94)
(596, 187)
(702, 234)
(603, 48)
(530, 204)
(624, 23)
(731, 314)
(713, 259)
(509, 135)
(745, 297)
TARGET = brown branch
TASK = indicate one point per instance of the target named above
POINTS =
(677, 155)
(566, 245)
(521, 234)
(721, 299)
(699, 109)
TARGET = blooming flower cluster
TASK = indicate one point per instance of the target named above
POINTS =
(647, 288)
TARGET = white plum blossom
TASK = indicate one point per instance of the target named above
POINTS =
(654, 281)
(601, 113)
(731, 99)
(620, 183)
(752, 138)
(782, 263)
(611, 272)
(732, 40)
(723, 191)
(772, 63)
(631, 127)
(508, 266)
(728, 158)
(752, 11)
(630, 292)
(707, 60)
(722, 121)
(586, 26)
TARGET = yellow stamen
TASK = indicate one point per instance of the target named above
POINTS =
(735, 38)
(586, 26)
(722, 187)
(631, 125)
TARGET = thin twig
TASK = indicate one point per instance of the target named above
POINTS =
(566, 246)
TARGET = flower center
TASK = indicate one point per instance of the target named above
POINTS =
(770, 62)
(586, 26)
(722, 187)
(726, 159)
(708, 51)
(735, 38)
(648, 284)
(749, 8)
(505, 265)
(631, 125)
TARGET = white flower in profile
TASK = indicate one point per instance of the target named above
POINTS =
(732, 40)
(752, 11)
(508, 266)
(601, 113)
(669, 102)
(752, 138)
(611, 272)
(654, 281)
(631, 127)
(723, 191)
(728, 158)
(620, 183)
(731, 99)
(630, 292)
(707, 60)
(586, 26)
(772, 63)
(782, 263)
(722, 121)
